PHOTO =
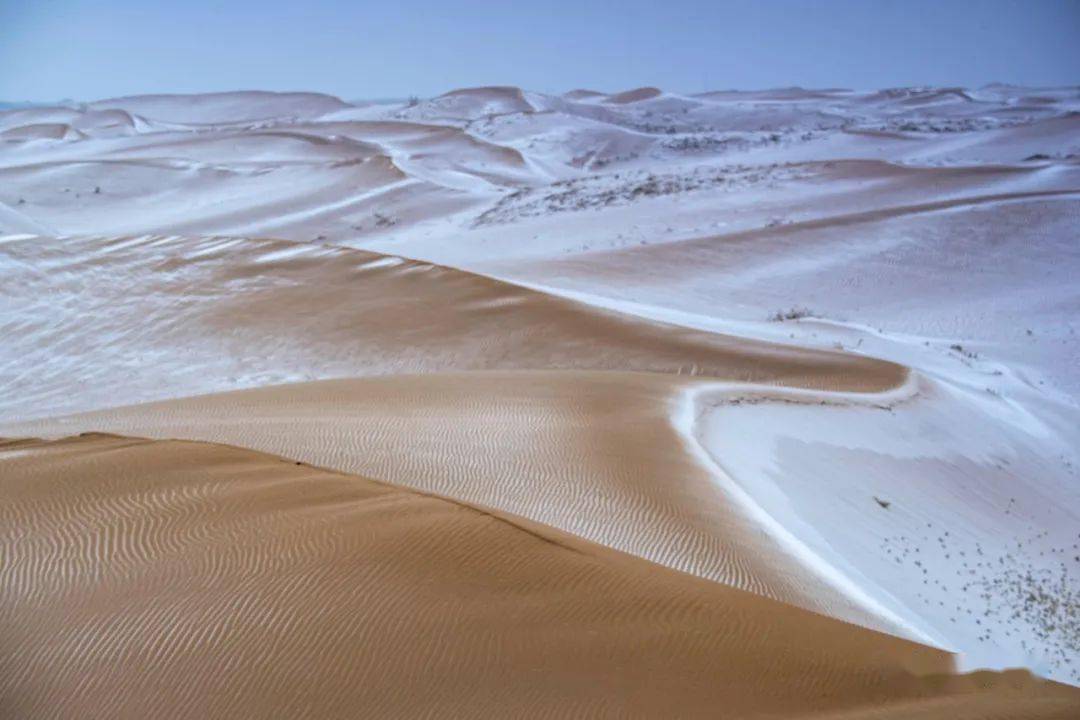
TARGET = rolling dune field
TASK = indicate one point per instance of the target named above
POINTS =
(503, 403)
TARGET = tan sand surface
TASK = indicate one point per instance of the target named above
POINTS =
(596, 454)
(121, 320)
(593, 453)
(174, 579)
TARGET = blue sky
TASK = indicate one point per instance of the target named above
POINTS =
(87, 49)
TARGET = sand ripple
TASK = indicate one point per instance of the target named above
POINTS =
(194, 580)
(596, 454)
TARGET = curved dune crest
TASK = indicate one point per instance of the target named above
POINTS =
(212, 309)
(172, 579)
(595, 454)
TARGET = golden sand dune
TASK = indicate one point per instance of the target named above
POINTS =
(173, 579)
(591, 453)
(169, 577)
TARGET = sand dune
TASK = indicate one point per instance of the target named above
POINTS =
(225, 107)
(680, 251)
(220, 313)
(470, 103)
(815, 348)
(37, 116)
(481, 144)
(34, 131)
(585, 452)
(789, 94)
(592, 453)
(184, 580)
(633, 96)
(978, 472)
(581, 94)
(843, 195)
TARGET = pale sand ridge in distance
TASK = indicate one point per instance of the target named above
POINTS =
(177, 579)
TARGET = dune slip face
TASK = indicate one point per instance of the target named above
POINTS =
(177, 579)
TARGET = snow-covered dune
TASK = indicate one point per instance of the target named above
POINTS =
(226, 107)
(817, 346)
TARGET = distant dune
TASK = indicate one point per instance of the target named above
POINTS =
(227, 107)
(582, 94)
(593, 453)
(226, 312)
(633, 96)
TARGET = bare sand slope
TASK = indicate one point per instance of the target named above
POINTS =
(591, 453)
(98, 322)
(173, 579)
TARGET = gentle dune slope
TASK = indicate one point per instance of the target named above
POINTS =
(171, 579)
(121, 320)
(591, 453)
(774, 202)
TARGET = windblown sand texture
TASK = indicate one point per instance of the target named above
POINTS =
(197, 580)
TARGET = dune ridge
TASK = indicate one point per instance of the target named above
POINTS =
(597, 454)
(203, 580)
(584, 450)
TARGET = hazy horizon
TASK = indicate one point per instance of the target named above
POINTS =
(76, 49)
